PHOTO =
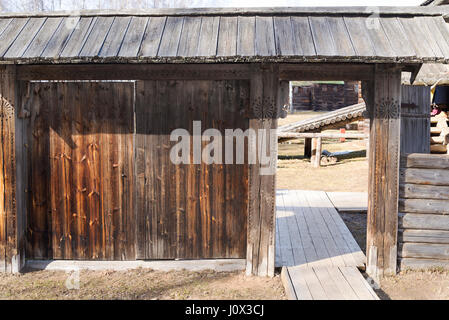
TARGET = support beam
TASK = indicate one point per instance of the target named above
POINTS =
(11, 231)
(134, 72)
(262, 177)
(383, 100)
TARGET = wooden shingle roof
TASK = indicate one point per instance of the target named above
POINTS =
(404, 35)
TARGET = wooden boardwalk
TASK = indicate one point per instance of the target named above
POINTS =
(319, 255)
(349, 202)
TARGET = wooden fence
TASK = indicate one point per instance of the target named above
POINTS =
(424, 211)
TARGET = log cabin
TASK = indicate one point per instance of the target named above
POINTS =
(89, 101)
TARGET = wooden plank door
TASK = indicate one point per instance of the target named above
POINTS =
(189, 211)
(82, 171)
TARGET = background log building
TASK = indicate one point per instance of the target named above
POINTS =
(85, 168)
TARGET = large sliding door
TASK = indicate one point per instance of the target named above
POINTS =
(189, 210)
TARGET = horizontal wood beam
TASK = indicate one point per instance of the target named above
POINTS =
(423, 221)
(436, 177)
(299, 71)
(424, 236)
(326, 71)
(424, 250)
(425, 161)
(134, 72)
(420, 264)
(424, 206)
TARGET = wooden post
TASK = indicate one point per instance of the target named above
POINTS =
(383, 100)
(262, 190)
(11, 224)
(307, 148)
(317, 155)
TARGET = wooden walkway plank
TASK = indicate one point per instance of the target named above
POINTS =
(306, 239)
(323, 257)
(347, 293)
(313, 283)
(327, 282)
(299, 283)
(350, 241)
(288, 285)
(285, 245)
(343, 247)
(317, 251)
(332, 248)
(349, 201)
(320, 236)
(358, 283)
(278, 254)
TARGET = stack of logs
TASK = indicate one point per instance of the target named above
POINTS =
(439, 133)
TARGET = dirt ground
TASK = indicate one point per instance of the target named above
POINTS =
(142, 284)
(416, 285)
(350, 173)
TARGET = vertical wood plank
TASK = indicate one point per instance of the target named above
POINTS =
(12, 204)
(227, 37)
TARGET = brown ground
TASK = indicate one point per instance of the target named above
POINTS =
(350, 173)
(141, 284)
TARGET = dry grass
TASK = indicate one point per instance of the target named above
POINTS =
(141, 284)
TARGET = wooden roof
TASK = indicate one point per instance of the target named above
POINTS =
(403, 35)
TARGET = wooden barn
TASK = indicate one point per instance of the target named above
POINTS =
(89, 102)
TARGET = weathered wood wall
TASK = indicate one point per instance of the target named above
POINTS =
(415, 119)
(424, 211)
(104, 189)
(81, 170)
(189, 211)
(12, 168)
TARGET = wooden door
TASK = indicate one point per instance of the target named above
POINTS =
(81, 170)
(189, 210)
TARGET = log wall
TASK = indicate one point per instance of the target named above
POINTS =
(424, 211)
